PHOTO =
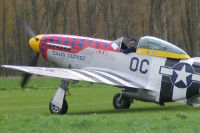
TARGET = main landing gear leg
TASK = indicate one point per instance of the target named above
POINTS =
(58, 105)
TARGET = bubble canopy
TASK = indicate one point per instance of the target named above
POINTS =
(157, 47)
(152, 46)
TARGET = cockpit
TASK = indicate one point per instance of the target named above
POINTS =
(120, 43)
(152, 46)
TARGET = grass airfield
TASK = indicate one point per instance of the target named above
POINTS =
(90, 110)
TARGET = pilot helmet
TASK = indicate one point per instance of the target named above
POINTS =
(133, 39)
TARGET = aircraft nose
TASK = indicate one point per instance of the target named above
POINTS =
(34, 43)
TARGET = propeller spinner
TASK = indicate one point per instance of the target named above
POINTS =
(34, 43)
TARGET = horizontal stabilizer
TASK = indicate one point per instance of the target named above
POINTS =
(191, 101)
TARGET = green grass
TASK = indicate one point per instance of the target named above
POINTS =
(90, 110)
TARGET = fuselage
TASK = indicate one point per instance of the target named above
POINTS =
(171, 79)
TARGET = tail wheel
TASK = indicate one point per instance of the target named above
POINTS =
(56, 110)
(121, 102)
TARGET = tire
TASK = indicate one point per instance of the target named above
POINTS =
(55, 110)
(124, 104)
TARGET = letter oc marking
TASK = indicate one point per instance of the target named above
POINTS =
(142, 63)
(134, 61)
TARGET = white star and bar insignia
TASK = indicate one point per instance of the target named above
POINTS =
(182, 74)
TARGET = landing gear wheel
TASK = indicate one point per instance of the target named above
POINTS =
(56, 110)
(123, 103)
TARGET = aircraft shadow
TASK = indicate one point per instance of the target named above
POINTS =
(140, 109)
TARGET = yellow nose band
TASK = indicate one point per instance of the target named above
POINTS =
(34, 43)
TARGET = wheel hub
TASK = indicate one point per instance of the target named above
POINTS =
(55, 108)
(119, 102)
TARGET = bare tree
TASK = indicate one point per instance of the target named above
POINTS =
(35, 15)
(17, 33)
(190, 28)
(4, 33)
(64, 13)
(105, 7)
(116, 11)
(151, 17)
(78, 17)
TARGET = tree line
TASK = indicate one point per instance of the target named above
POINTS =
(177, 21)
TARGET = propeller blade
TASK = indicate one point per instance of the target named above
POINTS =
(26, 27)
(34, 60)
(26, 76)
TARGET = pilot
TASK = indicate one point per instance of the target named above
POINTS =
(133, 46)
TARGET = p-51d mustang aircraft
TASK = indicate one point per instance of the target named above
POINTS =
(157, 72)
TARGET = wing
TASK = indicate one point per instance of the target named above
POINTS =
(89, 75)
